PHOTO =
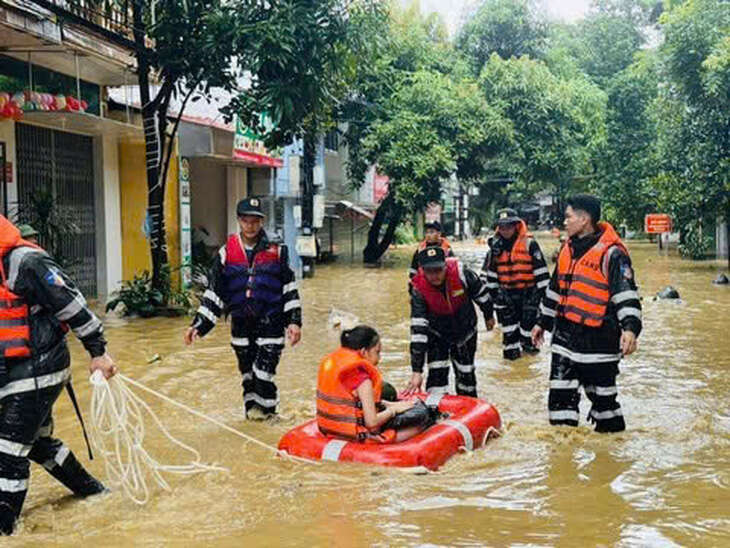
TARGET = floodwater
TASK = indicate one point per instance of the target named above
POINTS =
(663, 482)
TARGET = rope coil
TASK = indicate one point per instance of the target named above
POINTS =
(118, 434)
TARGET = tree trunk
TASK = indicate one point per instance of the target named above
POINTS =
(154, 123)
(375, 248)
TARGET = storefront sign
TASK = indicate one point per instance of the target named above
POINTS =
(657, 223)
(186, 259)
(248, 146)
(307, 246)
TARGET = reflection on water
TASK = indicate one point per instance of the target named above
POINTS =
(663, 482)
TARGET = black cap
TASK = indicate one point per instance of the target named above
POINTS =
(249, 206)
(507, 216)
(432, 257)
(588, 203)
(434, 225)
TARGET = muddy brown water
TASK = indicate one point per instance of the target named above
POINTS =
(664, 482)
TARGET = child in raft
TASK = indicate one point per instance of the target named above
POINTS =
(352, 399)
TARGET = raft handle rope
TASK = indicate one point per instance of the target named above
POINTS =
(118, 430)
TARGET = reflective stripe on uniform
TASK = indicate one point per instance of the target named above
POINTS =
(463, 430)
(464, 367)
(263, 375)
(13, 448)
(71, 309)
(215, 299)
(629, 311)
(552, 295)
(43, 381)
(541, 270)
(333, 449)
(564, 384)
(543, 283)
(525, 333)
(88, 328)
(261, 341)
(263, 402)
(564, 415)
(605, 415)
(291, 286)
(545, 311)
(419, 322)
(207, 313)
(291, 304)
(581, 357)
(13, 485)
(624, 296)
(513, 346)
(61, 455)
(416, 338)
(440, 364)
(239, 341)
(601, 390)
(509, 328)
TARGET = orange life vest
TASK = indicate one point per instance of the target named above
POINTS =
(583, 284)
(514, 267)
(443, 243)
(339, 412)
(440, 302)
(14, 311)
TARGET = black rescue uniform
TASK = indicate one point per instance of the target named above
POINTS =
(591, 271)
(29, 386)
(516, 275)
(444, 327)
(259, 290)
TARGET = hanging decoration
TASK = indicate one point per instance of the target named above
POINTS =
(13, 105)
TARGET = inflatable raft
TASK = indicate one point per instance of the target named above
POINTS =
(469, 423)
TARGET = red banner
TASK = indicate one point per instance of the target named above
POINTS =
(657, 223)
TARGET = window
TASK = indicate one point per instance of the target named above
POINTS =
(332, 141)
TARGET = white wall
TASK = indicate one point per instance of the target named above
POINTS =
(236, 184)
(7, 135)
(109, 227)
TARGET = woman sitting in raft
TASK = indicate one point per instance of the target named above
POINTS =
(351, 395)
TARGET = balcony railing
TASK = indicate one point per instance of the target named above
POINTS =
(112, 18)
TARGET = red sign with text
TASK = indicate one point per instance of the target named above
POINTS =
(657, 223)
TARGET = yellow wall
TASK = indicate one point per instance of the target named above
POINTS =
(133, 183)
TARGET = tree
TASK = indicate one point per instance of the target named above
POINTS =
(509, 28)
(693, 141)
(628, 160)
(558, 125)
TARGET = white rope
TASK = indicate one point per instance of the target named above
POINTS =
(118, 430)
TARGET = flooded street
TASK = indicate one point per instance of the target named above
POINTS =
(663, 482)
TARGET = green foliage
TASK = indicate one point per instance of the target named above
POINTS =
(405, 235)
(139, 297)
(508, 28)
(695, 245)
(557, 123)
(54, 224)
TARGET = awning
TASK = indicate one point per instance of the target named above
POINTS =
(81, 122)
(357, 209)
(242, 162)
(258, 159)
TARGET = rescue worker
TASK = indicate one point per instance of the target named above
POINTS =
(432, 237)
(252, 281)
(516, 275)
(38, 303)
(28, 233)
(444, 323)
(350, 394)
(593, 309)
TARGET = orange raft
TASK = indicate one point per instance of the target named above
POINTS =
(469, 424)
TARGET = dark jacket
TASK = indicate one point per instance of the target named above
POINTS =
(54, 301)
(624, 310)
(216, 300)
(428, 329)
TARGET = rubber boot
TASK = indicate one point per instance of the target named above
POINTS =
(512, 354)
(76, 478)
(8, 516)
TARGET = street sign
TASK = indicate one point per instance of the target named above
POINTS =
(657, 223)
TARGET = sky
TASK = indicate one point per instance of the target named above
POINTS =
(451, 10)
